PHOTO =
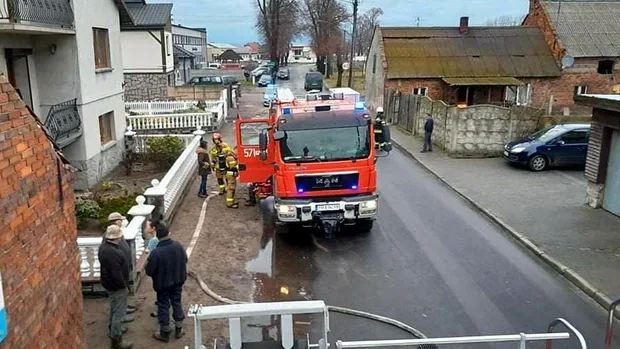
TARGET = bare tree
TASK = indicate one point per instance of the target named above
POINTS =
(322, 20)
(505, 21)
(272, 16)
(365, 30)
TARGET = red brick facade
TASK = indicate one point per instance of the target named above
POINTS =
(39, 257)
(582, 73)
(434, 87)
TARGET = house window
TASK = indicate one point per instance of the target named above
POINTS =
(605, 67)
(101, 42)
(106, 128)
(524, 94)
(297, 52)
(168, 45)
(581, 90)
(374, 63)
(420, 91)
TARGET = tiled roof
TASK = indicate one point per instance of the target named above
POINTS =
(415, 52)
(181, 52)
(149, 15)
(587, 28)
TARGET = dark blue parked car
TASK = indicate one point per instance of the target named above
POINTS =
(559, 145)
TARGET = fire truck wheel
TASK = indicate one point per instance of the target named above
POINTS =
(364, 226)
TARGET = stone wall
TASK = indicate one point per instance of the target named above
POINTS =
(96, 168)
(38, 251)
(475, 131)
(146, 87)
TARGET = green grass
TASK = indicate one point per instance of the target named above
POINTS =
(359, 81)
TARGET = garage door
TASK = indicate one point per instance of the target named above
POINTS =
(611, 201)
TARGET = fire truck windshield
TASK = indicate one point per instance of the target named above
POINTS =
(333, 144)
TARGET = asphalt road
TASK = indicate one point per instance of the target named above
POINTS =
(431, 261)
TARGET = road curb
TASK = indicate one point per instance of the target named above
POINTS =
(599, 297)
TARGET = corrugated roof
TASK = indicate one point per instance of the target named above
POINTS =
(150, 15)
(413, 52)
(485, 81)
(181, 52)
(587, 28)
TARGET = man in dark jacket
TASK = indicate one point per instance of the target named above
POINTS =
(204, 167)
(117, 219)
(167, 266)
(428, 132)
(114, 276)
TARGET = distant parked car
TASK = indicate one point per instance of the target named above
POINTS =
(265, 80)
(229, 80)
(559, 145)
(284, 74)
(313, 81)
(260, 71)
(207, 80)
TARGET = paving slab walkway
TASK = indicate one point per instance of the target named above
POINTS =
(546, 211)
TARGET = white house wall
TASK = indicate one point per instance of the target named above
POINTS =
(142, 52)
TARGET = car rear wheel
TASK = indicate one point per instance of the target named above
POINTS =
(538, 163)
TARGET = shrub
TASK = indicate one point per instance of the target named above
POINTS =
(164, 151)
(86, 209)
(120, 204)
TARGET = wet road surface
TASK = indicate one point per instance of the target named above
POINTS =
(431, 261)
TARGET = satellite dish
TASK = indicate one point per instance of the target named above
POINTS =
(568, 61)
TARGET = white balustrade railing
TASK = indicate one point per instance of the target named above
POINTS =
(159, 107)
(172, 121)
(178, 176)
(89, 266)
(141, 146)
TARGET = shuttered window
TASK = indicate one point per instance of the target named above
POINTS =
(101, 42)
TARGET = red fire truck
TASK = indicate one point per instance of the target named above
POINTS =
(316, 156)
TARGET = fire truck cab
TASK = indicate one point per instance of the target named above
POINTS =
(316, 156)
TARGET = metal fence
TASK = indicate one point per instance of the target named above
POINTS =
(51, 12)
(63, 123)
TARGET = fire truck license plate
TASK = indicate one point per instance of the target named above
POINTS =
(328, 207)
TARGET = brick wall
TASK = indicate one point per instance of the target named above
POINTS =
(435, 87)
(38, 250)
(538, 17)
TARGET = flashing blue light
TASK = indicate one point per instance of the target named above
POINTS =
(360, 105)
(300, 190)
(286, 111)
(354, 187)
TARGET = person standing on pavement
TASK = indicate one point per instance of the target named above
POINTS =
(218, 160)
(167, 266)
(114, 276)
(428, 133)
(117, 219)
(204, 167)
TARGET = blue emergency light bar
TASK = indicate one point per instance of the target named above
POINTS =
(286, 111)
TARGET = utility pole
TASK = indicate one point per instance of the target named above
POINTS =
(355, 4)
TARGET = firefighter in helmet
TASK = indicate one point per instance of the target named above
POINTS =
(378, 128)
(218, 160)
(232, 171)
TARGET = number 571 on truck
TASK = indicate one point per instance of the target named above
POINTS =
(317, 157)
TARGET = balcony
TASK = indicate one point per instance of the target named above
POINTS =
(63, 123)
(36, 16)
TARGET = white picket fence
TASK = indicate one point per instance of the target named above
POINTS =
(162, 116)
(171, 188)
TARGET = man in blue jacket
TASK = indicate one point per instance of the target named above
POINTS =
(428, 132)
(167, 266)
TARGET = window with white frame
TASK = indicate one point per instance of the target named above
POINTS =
(581, 90)
(524, 94)
(420, 91)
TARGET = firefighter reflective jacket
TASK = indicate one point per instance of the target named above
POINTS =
(232, 167)
(218, 156)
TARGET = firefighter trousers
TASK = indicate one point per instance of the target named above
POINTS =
(231, 188)
(221, 185)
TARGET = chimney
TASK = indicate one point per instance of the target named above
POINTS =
(464, 26)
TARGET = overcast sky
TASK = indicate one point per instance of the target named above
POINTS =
(232, 21)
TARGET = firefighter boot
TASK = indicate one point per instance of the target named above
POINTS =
(162, 336)
(118, 343)
(231, 201)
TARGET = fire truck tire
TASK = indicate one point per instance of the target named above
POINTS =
(364, 226)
